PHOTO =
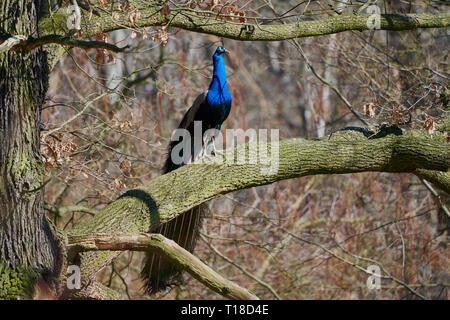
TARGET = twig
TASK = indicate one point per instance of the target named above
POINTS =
(332, 87)
(11, 42)
(75, 116)
(61, 211)
(388, 275)
(435, 194)
(355, 265)
(264, 284)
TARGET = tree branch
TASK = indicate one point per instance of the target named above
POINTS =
(247, 273)
(439, 178)
(206, 22)
(97, 291)
(10, 41)
(15, 43)
(61, 211)
(166, 196)
(160, 244)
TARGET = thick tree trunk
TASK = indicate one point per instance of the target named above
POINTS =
(26, 240)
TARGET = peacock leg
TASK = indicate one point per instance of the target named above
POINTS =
(203, 154)
(216, 133)
(215, 151)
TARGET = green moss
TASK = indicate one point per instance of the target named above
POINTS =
(56, 23)
(20, 164)
(443, 125)
(16, 283)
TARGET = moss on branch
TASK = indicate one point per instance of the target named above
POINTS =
(190, 20)
(165, 197)
(158, 243)
(203, 22)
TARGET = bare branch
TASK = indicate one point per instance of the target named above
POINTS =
(245, 271)
(10, 42)
(15, 43)
(436, 195)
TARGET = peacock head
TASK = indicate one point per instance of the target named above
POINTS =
(220, 50)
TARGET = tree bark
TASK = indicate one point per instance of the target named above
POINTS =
(26, 239)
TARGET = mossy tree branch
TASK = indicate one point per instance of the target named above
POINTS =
(207, 22)
(162, 245)
(210, 23)
(166, 196)
(97, 291)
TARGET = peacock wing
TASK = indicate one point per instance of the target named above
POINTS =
(190, 114)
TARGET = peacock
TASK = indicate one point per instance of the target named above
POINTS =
(212, 109)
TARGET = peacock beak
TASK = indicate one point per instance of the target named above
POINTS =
(226, 51)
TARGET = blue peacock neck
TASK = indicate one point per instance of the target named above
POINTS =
(218, 90)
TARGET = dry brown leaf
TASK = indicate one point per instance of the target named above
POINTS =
(429, 126)
(369, 109)
(165, 10)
